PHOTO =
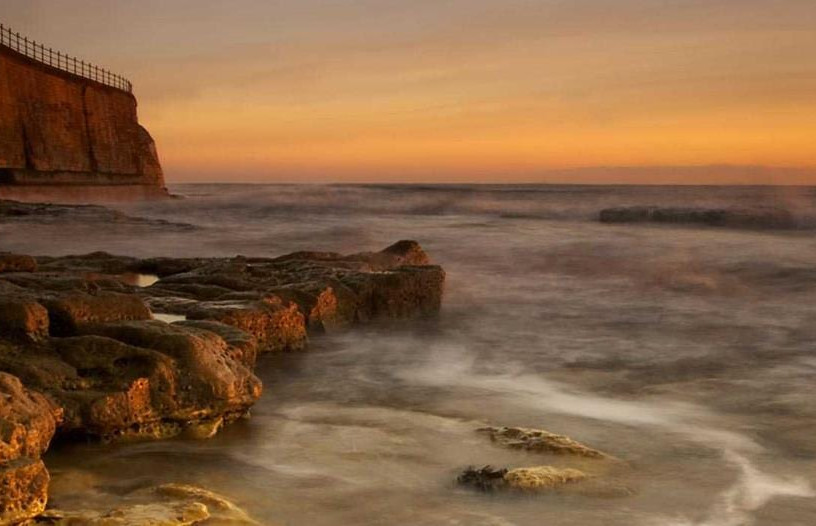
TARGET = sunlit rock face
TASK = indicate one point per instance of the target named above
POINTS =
(27, 423)
(64, 138)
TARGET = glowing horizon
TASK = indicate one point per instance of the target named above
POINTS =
(676, 91)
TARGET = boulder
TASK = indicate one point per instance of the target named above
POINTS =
(165, 505)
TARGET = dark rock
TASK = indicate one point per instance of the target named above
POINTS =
(754, 218)
(484, 479)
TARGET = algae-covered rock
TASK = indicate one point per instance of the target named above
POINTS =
(542, 478)
(540, 441)
(530, 479)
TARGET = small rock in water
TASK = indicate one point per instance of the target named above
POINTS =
(540, 440)
(484, 479)
(534, 479)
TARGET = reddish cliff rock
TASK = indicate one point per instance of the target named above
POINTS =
(63, 137)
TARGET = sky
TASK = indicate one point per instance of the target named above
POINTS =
(582, 91)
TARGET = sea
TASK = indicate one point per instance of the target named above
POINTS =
(687, 352)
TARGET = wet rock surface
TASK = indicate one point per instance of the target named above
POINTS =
(89, 360)
(540, 441)
(528, 479)
(165, 505)
(751, 218)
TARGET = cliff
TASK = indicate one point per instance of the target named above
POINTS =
(67, 138)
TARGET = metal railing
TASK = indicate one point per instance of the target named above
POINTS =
(61, 61)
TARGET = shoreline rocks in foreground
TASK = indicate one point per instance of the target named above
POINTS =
(81, 354)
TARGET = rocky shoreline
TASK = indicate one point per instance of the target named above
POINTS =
(83, 355)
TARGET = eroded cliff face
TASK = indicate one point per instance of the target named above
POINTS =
(63, 137)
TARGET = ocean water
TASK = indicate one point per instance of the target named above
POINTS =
(685, 351)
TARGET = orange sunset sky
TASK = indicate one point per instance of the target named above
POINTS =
(609, 91)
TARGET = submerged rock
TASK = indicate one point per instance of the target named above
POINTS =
(218, 504)
(539, 440)
(170, 514)
(166, 505)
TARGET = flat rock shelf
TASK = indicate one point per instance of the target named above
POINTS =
(82, 354)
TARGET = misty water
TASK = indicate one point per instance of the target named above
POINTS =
(686, 352)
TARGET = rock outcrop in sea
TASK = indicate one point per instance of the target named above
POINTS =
(750, 218)
(82, 354)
